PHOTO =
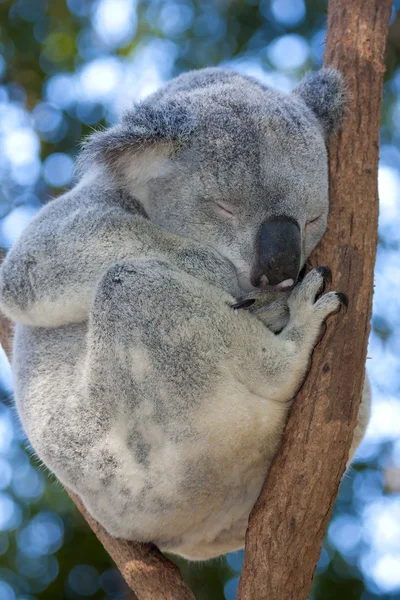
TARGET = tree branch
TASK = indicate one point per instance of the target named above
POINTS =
(288, 522)
(149, 574)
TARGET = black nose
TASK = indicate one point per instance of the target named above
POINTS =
(278, 252)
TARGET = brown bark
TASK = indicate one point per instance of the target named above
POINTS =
(147, 572)
(5, 335)
(5, 330)
(288, 522)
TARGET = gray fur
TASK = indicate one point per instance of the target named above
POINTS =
(325, 94)
(135, 380)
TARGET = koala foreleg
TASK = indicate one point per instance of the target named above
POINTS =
(287, 355)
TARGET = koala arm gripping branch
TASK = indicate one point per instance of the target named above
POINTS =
(48, 278)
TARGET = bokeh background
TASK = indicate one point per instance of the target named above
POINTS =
(69, 66)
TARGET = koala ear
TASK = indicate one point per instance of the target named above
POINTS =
(324, 92)
(139, 148)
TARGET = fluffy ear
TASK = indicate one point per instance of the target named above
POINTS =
(324, 92)
(139, 148)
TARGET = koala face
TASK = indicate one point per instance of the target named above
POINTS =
(253, 184)
(221, 159)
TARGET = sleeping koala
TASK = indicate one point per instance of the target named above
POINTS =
(141, 379)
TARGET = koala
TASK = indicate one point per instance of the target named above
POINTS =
(144, 378)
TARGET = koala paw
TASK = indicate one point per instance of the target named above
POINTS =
(243, 304)
(307, 307)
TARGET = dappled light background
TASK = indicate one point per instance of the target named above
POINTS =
(68, 67)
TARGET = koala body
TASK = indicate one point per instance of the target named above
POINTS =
(136, 381)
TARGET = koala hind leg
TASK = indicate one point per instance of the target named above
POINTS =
(153, 352)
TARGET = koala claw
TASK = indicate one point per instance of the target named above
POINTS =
(343, 299)
(326, 273)
(243, 303)
(308, 294)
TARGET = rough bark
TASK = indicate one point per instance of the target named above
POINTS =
(5, 331)
(147, 572)
(288, 522)
(5, 335)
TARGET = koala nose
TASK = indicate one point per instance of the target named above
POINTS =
(278, 253)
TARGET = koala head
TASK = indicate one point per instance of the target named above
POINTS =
(220, 158)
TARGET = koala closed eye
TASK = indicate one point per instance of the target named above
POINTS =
(225, 210)
(313, 222)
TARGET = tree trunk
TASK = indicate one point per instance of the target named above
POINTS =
(288, 522)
